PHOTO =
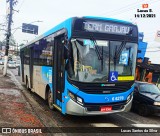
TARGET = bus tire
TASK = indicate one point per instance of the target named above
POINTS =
(143, 110)
(50, 100)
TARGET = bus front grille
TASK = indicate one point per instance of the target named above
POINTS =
(106, 88)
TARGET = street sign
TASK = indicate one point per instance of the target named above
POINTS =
(113, 76)
(29, 28)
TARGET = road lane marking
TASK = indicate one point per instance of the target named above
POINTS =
(136, 122)
(146, 125)
(103, 125)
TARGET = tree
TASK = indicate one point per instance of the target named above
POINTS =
(12, 41)
(18, 48)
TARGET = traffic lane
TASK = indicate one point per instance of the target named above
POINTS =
(152, 120)
(132, 118)
(84, 121)
(128, 119)
(112, 120)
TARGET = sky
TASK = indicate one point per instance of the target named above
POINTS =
(48, 13)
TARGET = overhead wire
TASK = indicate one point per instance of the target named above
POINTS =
(125, 11)
(21, 5)
(127, 8)
(19, 8)
(117, 10)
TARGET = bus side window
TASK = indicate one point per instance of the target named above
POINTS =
(49, 50)
(43, 52)
(26, 56)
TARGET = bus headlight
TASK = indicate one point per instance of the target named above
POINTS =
(79, 100)
(156, 103)
(129, 97)
(72, 96)
(75, 98)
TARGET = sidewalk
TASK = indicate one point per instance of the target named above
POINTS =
(15, 111)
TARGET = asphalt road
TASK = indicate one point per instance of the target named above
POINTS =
(55, 118)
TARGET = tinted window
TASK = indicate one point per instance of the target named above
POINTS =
(26, 56)
(149, 88)
(42, 52)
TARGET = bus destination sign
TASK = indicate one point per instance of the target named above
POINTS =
(111, 28)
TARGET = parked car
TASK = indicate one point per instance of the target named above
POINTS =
(17, 63)
(146, 98)
(1, 62)
(11, 64)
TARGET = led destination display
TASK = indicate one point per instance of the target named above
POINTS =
(107, 28)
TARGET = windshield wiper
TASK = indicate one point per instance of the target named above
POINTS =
(118, 52)
(98, 52)
(97, 49)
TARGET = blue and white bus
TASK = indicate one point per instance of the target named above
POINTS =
(83, 66)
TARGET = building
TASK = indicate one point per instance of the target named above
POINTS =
(142, 46)
(145, 70)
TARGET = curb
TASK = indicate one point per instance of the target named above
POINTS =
(21, 88)
(18, 84)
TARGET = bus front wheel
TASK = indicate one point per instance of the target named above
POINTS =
(50, 100)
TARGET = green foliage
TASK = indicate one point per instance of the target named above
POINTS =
(12, 41)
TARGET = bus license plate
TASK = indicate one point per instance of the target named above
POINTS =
(106, 108)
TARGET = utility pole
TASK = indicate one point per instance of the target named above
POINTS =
(9, 17)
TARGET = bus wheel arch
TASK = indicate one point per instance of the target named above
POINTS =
(49, 97)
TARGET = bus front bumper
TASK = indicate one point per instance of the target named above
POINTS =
(75, 109)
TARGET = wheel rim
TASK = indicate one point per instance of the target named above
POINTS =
(50, 100)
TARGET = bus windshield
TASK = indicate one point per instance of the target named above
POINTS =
(93, 59)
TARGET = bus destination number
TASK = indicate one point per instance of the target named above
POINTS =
(118, 98)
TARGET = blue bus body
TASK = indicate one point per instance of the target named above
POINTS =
(76, 99)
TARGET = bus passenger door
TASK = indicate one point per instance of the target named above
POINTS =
(58, 69)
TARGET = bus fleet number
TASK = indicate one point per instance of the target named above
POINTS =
(118, 98)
